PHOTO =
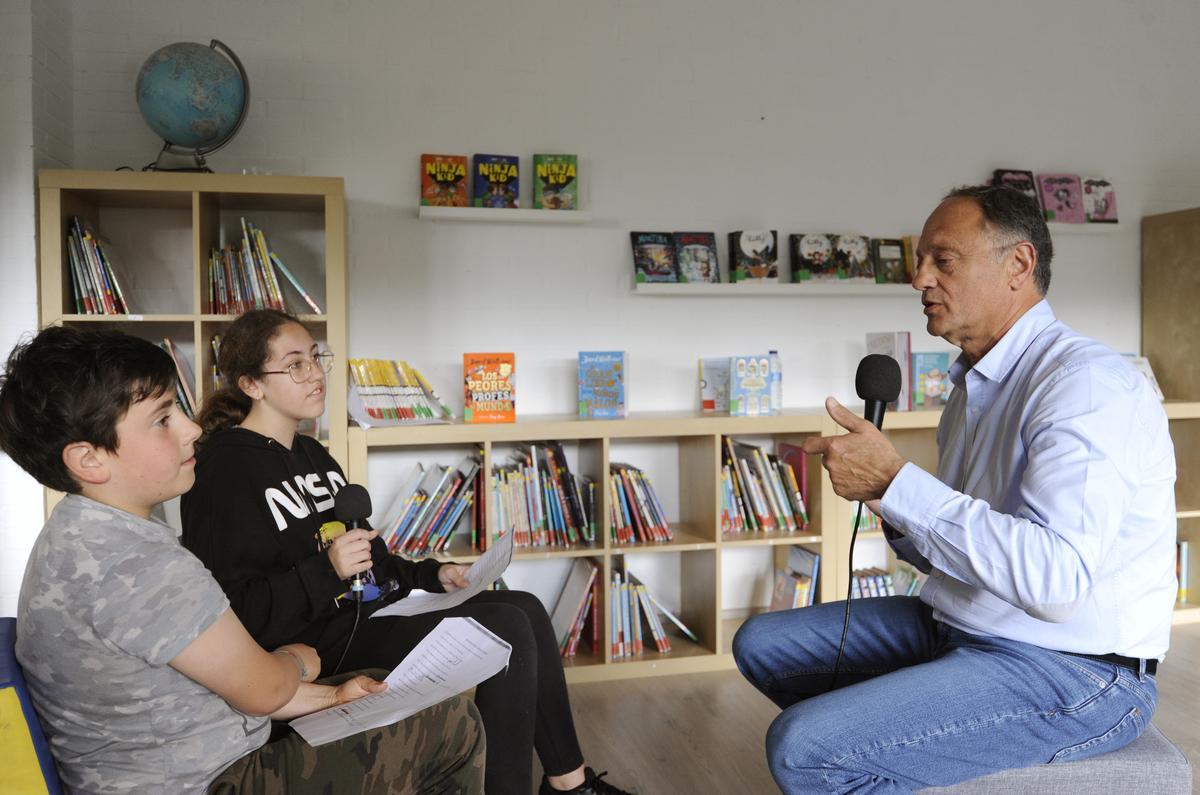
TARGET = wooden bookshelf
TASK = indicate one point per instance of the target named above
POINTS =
(160, 227)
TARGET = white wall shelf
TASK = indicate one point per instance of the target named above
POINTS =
(503, 215)
(811, 289)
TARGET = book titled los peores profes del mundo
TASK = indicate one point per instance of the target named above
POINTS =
(602, 384)
(489, 387)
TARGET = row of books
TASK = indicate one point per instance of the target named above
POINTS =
(635, 512)
(761, 491)
(753, 256)
(496, 181)
(431, 504)
(742, 386)
(183, 379)
(244, 275)
(539, 499)
(393, 392)
(1065, 198)
(578, 607)
(924, 377)
(796, 584)
(94, 283)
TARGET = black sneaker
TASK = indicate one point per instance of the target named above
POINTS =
(593, 784)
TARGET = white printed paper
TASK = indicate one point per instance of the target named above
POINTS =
(483, 572)
(457, 655)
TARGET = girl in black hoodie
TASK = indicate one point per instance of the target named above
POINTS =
(262, 491)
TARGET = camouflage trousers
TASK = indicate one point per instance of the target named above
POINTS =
(438, 750)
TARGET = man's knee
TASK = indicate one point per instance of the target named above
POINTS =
(792, 754)
(749, 640)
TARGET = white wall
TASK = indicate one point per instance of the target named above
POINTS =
(815, 116)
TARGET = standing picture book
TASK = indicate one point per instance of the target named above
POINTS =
(1062, 197)
(696, 256)
(1018, 180)
(497, 181)
(930, 379)
(444, 181)
(897, 345)
(812, 257)
(790, 591)
(654, 257)
(1099, 201)
(806, 563)
(489, 387)
(911, 244)
(753, 255)
(714, 385)
(888, 256)
(750, 386)
(853, 255)
(602, 384)
(556, 182)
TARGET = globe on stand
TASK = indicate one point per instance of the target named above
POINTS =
(194, 98)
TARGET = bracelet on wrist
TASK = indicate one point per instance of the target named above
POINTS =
(296, 658)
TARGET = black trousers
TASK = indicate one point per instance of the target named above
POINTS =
(524, 708)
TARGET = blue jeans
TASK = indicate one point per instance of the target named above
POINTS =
(922, 704)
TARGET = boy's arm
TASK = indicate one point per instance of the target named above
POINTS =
(226, 660)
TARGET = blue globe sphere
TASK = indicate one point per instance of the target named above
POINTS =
(191, 95)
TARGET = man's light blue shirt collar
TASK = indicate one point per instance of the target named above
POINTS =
(1004, 355)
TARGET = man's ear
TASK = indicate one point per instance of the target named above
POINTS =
(86, 463)
(251, 387)
(1021, 265)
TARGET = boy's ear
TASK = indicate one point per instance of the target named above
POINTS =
(251, 387)
(86, 463)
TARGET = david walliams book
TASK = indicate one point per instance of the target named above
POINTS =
(489, 387)
(602, 384)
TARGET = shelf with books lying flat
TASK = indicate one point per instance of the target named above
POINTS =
(810, 289)
(503, 215)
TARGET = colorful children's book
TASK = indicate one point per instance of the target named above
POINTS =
(1099, 201)
(489, 387)
(444, 181)
(556, 182)
(930, 379)
(497, 181)
(754, 255)
(696, 255)
(853, 255)
(912, 244)
(750, 386)
(790, 591)
(602, 384)
(1019, 180)
(812, 257)
(897, 345)
(654, 257)
(888, 256)
(714, 385)
(807, 563)
(1062, 197)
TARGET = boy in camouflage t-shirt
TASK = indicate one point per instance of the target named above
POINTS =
(143, 678)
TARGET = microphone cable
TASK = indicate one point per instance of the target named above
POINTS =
(849, 590)
(357, 615)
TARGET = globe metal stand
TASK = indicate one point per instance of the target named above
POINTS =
(198, 154)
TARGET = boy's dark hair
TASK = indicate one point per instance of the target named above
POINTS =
(245, 348)
(67, 385)
(1015, 216)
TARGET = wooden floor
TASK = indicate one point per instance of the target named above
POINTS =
(703, 733)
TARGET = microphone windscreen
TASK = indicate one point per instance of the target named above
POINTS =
(351, 503)
(878, 378)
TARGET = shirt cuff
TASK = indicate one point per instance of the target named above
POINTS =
(913, 501)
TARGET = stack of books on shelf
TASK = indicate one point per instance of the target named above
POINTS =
(906, 579)
(245, 275)
(865, 583)
(94, 283)
(796, 584)
(634, 509)
(430, 506)
(183, 379)
(539, 499)
(633, 606)
(762, 492)
(578, 607)
(393, 392)
(924, 377)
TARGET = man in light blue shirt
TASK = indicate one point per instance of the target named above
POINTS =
(1047, 534)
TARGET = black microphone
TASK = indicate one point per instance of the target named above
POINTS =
(878, 383)
(352, 506)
